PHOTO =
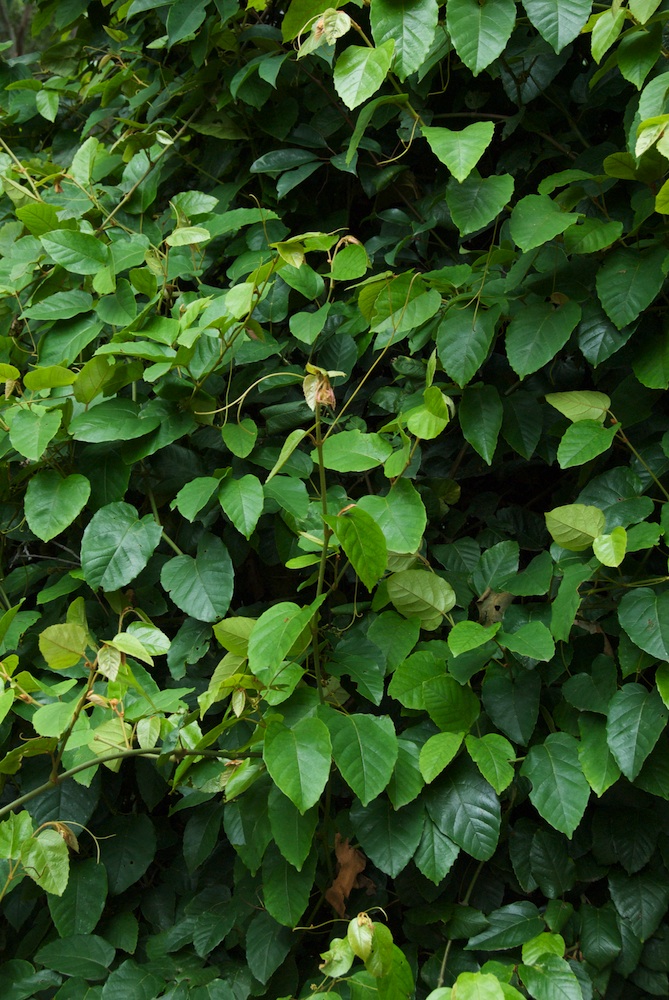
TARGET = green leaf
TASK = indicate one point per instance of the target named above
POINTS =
(85, 955)
(365, 749)
(353, 451)
(298, 759)
(360, 71)
(628, 281)
(533, 640)
(451, 706)
(416, 593)
(478, 986)
(464, 339)
(79, 253)
(129, 851)
(508, 927)
(597, 762)
(636, 719)
(640, 899)
(550, 978)
(267, 944)
(437, 753)
(492, 755)
(575, 526)
(410, 25)
(32, 431)
(47, 104)
(131, 979)
(285, 890)
(201, 586)
(292, 831)
(559, 792)
(195, 495)
(513, 705)
(462, 150)
(52, 503)
(242, 500)
(466, 809)
(184, 17)
(436, 854)
(400, 515)
(63, 646)
(363, 542)
(537, 219)
(591, 235)
(468, 635)
(117, 545)
(81, 905)
(644, 615)
(558, 21)
(480, 31)
(275, 634)
(600, 936)
(388, 836)
(537, 333)
(583, 441)
(48, 377)
(477, 201)
(480, 414)
(114, 420)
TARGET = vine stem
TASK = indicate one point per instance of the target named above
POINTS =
(463, 902)
(120, 755)
(327, 534)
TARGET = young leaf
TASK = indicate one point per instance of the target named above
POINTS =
(582, 441)
(360, 71)
(363, 543)
(298, 759)
(575, 526)
(480, 31)
(462, 150)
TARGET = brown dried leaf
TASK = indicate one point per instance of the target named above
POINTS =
(351, 863)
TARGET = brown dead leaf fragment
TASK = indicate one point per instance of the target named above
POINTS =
(351, 863)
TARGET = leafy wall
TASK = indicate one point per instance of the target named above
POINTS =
(334, 501)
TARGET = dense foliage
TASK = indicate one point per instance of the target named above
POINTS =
(335, 501)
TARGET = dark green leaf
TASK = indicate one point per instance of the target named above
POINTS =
(117, 545)
(465, 808)
(202, 587)
(388, 836)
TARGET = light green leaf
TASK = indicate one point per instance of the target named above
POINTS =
(470, 635)
(188, 236)
(63, 646)
(117, 545)
(51, 502)
(192, 497)
(353, 451)
(363, 542)
(45, 858)
(451, 706)
(79, 253)
(636, 719)
(437, 753)
(365, 749)
(575, 526)
(115, 419)
(32, 430)
(582, 405)
(533, 640)
(492, 754)
(537, 219)
(480, 31)
(48, 377)
(559, 792)
(298, 759)
(477, 201)
(550, 978)
(610, 549)
(477, 986)
(400, 515)
(360, 71)
(462, 150)
(582, 441)
(536, 334)
(274, 635)
(591, 235)
(201, 586)
(242, 500)
(411, 27)
(418, 593)
(558, 21)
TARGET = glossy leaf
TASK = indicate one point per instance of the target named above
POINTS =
(298, 760)
(201, 586)
(558, 21)
(365, 750)
(462, 150)
(363, 543)
(559, 792)
(480, 31)
(52, 503)
(636, 719)
(466, 809)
